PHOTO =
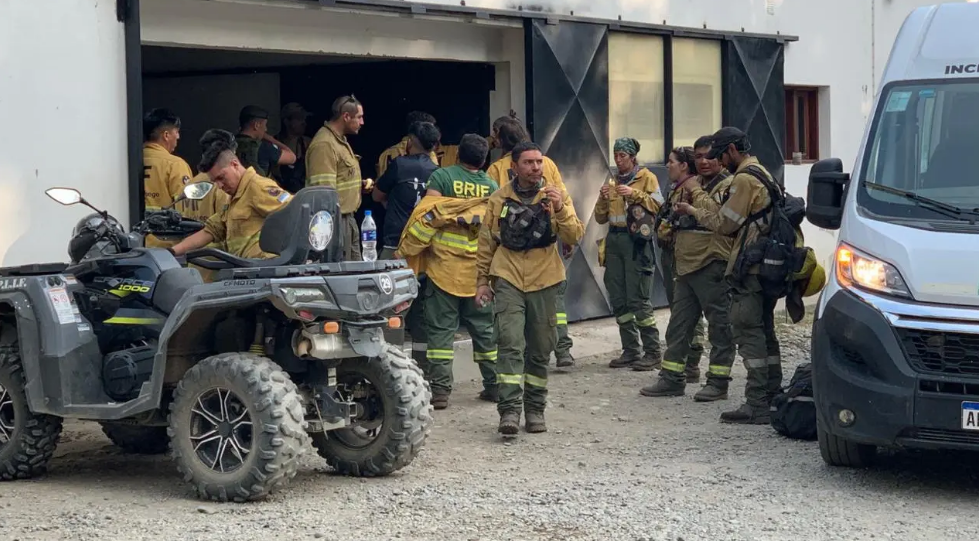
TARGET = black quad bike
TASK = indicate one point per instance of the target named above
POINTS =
(235, 377)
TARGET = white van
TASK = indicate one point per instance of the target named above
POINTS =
(895, 344)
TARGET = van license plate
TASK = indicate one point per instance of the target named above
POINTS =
(970, 416)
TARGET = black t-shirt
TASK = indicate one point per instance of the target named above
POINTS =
(258, 153)
(292, 178)
(268, 156)
(404, 183)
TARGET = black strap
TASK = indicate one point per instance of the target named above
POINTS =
(715, 181)
(774, 196)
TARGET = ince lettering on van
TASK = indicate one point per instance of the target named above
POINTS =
(955, 69)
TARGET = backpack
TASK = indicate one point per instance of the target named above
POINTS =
(793, 410)
(780, 253)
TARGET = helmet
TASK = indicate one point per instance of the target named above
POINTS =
(86, 233)
(816, 282)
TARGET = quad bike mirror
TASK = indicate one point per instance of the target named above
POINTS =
(198, 190)
(65, 196)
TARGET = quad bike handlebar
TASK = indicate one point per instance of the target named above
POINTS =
(167, 222)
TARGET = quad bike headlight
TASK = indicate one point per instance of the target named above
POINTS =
(321, 230)
(294, 295)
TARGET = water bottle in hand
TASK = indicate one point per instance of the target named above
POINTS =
(368, 237)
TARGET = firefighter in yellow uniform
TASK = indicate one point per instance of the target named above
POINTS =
(401, 148)
(700, 257)
(330, 161)
(509, 132)
(253, 197)
(628, 262)
(449, 296)
(519, 269)
(745, 215)
(164, 173)
(443, 232)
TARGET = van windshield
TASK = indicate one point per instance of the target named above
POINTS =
(923, 143)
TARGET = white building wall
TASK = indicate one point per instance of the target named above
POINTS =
(63, 107)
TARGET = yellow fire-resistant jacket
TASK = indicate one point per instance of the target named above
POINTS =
(396, 151)
(612, 211)
(531, 270)
(441, 239)
(747, 196)
(696, 248)
(239, 224)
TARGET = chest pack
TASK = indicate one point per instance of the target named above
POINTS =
(640, 223)
(525, 227)
(779, 253)
(793, 411)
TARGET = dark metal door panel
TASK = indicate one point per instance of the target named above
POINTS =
(754, 97)
(568, 115)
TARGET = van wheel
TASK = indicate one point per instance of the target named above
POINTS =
(837, 451)
(237, 427)
(27, 440)
(395, 416)
(140, 440)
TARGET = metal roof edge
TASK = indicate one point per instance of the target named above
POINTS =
(422, 8)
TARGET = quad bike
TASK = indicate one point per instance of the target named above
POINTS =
(234, 377)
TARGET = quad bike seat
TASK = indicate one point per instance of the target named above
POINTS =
(172, 285)
(285, 233)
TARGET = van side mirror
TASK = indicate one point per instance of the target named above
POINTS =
(824, 200)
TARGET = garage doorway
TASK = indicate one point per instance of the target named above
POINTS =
(208, 87)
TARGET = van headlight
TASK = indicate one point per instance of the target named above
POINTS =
(857, 269)
(320, 230)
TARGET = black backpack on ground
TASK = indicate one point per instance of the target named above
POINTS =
(779, 253)
(793, 410)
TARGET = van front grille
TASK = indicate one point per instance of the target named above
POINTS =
(939, 435)
(941, 352)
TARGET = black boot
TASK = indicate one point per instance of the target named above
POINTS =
(747, 415)
(627, 359)
(716, 389)
(665, 387)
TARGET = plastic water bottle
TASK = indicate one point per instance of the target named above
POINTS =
(368, 237)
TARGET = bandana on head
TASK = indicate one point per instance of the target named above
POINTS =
(628, 145)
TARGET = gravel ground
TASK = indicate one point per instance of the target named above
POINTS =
(614, 465)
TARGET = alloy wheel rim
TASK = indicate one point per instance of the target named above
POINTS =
(7, 420)
(221, 430)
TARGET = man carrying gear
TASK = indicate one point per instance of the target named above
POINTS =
(443, 230)
(744, 216)
(253, 197)
(700, 288)
(628, 257)
(519, 269)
